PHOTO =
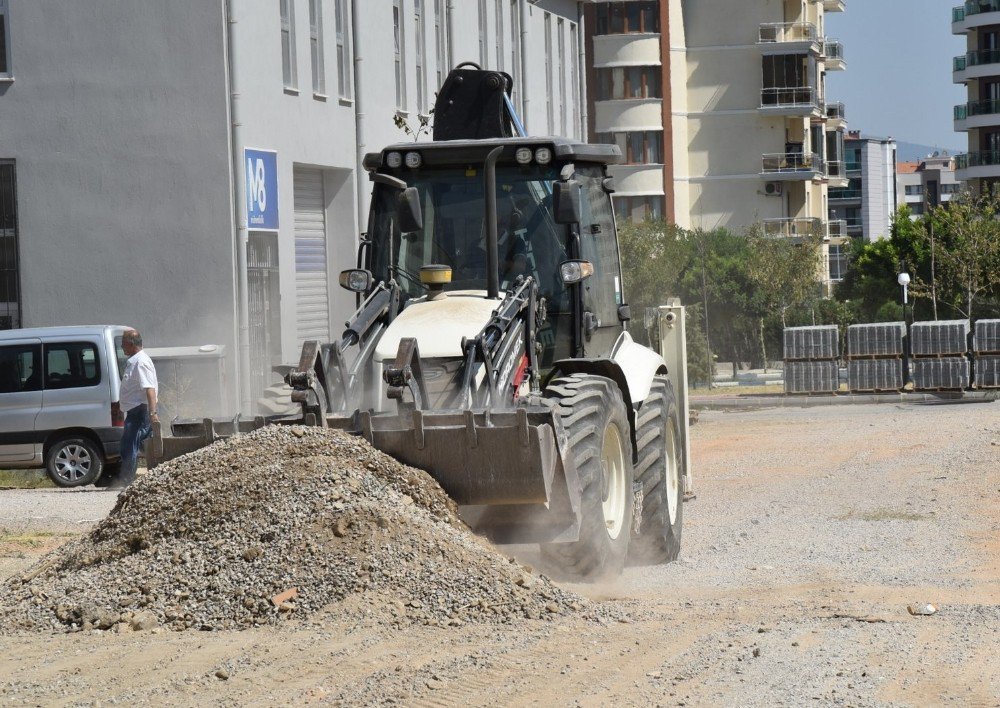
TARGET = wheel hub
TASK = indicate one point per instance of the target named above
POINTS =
(614, 493)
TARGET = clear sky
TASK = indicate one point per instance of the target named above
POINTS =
(898, 77)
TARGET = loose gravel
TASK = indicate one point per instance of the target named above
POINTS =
(283, 522)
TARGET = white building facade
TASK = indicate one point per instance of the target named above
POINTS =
(193, 168)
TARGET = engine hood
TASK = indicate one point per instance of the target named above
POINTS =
(438, 325)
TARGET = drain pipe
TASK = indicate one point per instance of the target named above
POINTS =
(523, 7)
(240, 237)
(450, 27)
(359, 118)
(583, 100)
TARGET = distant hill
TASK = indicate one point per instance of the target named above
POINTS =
(913, 152)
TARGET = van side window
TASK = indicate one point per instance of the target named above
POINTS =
(20, 368)
(71, 365)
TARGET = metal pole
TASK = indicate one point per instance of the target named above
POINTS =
(359, 118)
(492, 236)
(240, 235)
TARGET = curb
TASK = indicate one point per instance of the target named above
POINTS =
(762, 401)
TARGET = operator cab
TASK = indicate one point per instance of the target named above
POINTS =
(449, 227)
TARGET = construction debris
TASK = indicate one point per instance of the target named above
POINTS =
(276, 524)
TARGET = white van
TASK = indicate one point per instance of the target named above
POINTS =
(59, 400)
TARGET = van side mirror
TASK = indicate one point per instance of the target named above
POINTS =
(567, 206)
(408, 211)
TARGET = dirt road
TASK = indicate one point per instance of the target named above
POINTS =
(812, 532)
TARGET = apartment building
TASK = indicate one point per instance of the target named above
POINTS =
(979, 70)
(193, 168)
(866, 205)
(720, 109)
(926, 184)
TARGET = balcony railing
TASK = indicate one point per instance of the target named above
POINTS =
(835, 169)
(833, 50)
(836, 111)
(789, 96)
(988, 107)
(788, 32)
(975, 7)
(853, 166)
(843, 195)
(977, 159)
(981, 57)
(836, 229)
(958, 64)
(791, 162)
(793, 227)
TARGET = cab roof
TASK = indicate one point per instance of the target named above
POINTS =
(450, 152)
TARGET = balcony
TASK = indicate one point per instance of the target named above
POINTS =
(836, 116)
(975, 65)
(791, 166)
(795, 227)
(853, 166)
(789, 38)
(833, 52)
(974, 13)
(977, 165)
(836, 174)
(790, 101)
(854, 226)
(836, 229)
(844, 195)
(834, 5)
(977, 114)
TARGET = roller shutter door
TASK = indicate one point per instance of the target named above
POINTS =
(312, 295)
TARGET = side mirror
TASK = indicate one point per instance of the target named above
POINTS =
(411, 217)
(356, 280)
(573, 272)
(567, 206)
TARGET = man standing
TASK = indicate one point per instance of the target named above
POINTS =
(138, 400)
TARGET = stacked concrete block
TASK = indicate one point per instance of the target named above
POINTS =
(811, 359)
(875, 356)
(940, 355)
(986, 353)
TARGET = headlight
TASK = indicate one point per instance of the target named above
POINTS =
(394, 159)
(573, 272)
(543, 156)
(523, 156)
(413, 160)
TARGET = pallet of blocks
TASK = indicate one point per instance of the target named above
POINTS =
(811, 359)
(940, 355)
(875, 357)
(986, 354)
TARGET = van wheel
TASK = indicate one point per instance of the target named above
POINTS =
(74, 462)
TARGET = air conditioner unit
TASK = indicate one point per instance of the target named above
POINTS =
(773, 189)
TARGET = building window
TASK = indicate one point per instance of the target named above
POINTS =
(515, 51)
(316, 46)
(638, 209)
(10, 291)
(627, 18)
(482, 33)
(343, 52)
(420, 43)
(548, 74)
(629, 82)
(501, 50)
(574, 77)
(561, 73)
(838, 262)
(638, 147)
(289, 71)
(914, 189)
(441, 20)
(5, 72)
(399, 49)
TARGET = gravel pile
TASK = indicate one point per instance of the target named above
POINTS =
(283, 522)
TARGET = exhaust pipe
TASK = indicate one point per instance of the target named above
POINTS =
(492, 230)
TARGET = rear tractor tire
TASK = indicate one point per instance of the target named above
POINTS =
(599, 441)
(660, 473)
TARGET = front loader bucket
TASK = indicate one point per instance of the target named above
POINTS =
(505, 469)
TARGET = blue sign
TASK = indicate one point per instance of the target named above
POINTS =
(261, 189)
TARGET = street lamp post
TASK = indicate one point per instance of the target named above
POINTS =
(904, 280)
